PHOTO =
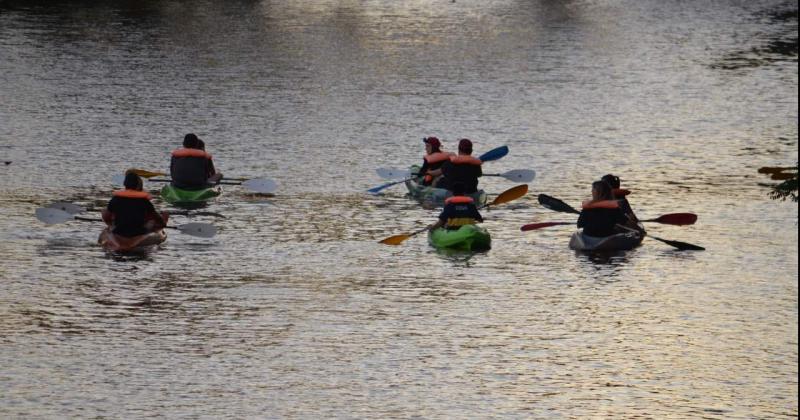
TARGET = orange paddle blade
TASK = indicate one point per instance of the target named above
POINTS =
(511, 194)
(395, 240)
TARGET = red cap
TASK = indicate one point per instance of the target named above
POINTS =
(433, 141)
(465, 145)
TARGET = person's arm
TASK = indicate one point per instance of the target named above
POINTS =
(476, 214)
(582, 219)
(423, 170)
(443, 216)
(155, 216)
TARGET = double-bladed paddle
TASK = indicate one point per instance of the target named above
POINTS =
(518, 175)
(53, 216)
(144, 173)
(256, 185)
(489, 156)
(73, 208)
(555, 204)
(678, 219)
(504, 197)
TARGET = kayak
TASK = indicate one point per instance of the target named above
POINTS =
(618, 242)
(465, 238)
(436, 196)
(179, 196)
(117, 243)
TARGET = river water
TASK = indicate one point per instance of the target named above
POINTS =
(294, 309)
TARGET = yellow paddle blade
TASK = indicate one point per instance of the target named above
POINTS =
(145, 173)
(511, 194)
(395, 240)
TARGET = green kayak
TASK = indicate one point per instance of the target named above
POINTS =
(465, 238)
(181, 197)
(436, 196)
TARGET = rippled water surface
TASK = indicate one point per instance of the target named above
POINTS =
(295, 310)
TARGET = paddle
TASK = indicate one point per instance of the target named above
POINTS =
(489, 156)
(683, 246)
(678, 219)
(553, 203)
(393, 173)
(76, 209)
(256, 185)
(504, 197)
(53, 216)
(775, 169)
(518, 175)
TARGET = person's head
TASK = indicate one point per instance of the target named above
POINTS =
(132, 181)
(601, 191)
(432, 145)
(191, 141)
(458, 189)
(612, 180)
(465, 147)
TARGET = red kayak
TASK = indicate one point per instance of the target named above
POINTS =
(117, 243)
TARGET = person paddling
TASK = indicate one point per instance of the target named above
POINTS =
(459, 210)
(433, 160)
(191, 168)
(600, 215)
(462, 168)
(621, 195)
(130, 213)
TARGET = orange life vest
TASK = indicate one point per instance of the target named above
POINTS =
(186, 152)
(126, 193)
(437, 157)
(600, 204)
(465, 160)
(459, 199)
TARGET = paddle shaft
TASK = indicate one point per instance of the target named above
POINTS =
(87, 219)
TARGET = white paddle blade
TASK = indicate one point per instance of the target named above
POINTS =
(70, 208)
(264, 186)
(52, 216)
(520, 175)
(393, 173)
(202, 230)
(118, 179)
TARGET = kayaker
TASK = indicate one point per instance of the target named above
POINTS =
(130, 213)
(462, 168)
(621, 194)
(459, 210)
(600, 215)
(433, 160)
(191, 167)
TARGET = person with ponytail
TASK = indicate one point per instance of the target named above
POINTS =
(621, 195)
(433, 160)
(600, 215)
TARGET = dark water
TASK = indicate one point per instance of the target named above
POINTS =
(294, 310)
